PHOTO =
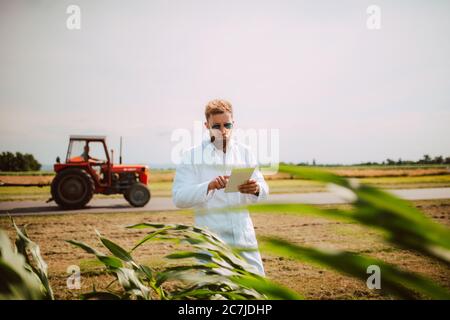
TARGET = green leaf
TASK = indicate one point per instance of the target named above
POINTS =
(24, 245)
(17, 281)
(151, 236)
(132, 284)
(115, 249)
(109, 261)
(314, 174)
(269, 288)
(394, 280)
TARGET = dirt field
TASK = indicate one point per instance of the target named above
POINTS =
(313, 282)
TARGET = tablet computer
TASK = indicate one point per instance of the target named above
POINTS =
(238, 176)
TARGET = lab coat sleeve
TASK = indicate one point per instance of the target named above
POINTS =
(257, 175)
(187, 191)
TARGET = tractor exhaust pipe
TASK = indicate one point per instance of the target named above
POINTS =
(120, 155)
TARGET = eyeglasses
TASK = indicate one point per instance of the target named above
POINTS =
(227, 125)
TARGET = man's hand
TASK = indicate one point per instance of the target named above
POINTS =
(250, 187)
(219, 182)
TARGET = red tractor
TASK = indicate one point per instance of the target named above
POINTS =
(83, 175)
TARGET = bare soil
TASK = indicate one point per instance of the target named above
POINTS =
(50, 232)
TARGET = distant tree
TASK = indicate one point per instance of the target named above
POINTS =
(370, 163)
(6, 161)
(390, 162)
(438, 160)
(18, 162)
(426, 158)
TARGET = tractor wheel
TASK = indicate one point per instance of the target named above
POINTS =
(72, 188)
(125, 195)
(137, 195)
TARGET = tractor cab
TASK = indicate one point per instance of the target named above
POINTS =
(91, 153)
(91, 149)
(89, 169)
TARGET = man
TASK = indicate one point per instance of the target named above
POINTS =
(202, 175)
(85, 155)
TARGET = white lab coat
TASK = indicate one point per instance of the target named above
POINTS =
(198, 167)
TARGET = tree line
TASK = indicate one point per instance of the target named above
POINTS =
(425, 160)
(18, 162)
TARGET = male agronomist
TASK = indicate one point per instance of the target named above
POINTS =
(202, 175)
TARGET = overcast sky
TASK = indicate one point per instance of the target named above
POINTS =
(336, 91)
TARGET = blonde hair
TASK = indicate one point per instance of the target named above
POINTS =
(218, 106)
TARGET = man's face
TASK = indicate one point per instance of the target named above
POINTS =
(220, 126)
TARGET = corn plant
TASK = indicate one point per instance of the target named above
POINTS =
(401, 224)
(210, 270)
(23, 272)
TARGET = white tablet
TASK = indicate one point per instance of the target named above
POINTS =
(238, 176)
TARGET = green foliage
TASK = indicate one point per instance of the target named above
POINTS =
(426, 160)
(23, 272)
(210, 270)
(403, 284)
(18, 162)
(401, 224)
